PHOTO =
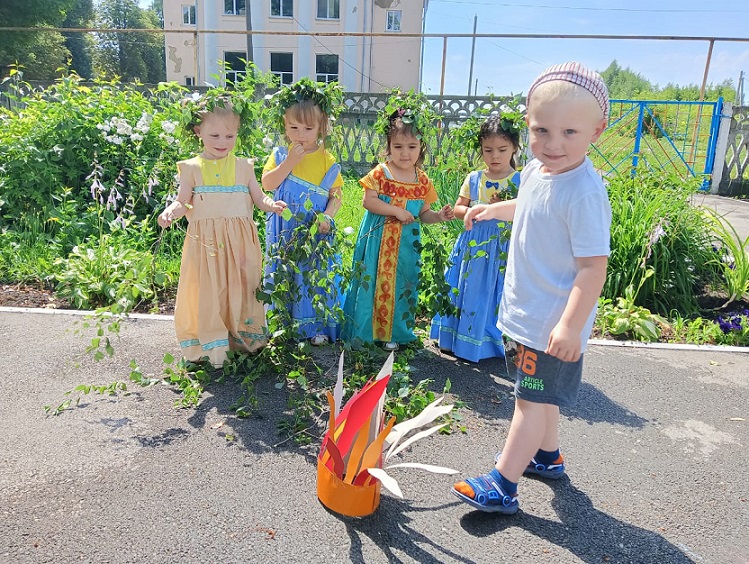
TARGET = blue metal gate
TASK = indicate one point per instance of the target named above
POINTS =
(678, 137)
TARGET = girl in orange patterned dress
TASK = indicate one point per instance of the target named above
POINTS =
(383, 295)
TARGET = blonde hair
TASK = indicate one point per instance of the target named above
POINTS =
(309, 113)
(561, 89)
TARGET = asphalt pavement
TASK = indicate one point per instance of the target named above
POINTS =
(656, 452)
(733, 211)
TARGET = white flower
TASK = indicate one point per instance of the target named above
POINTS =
(121, 125)
(348, 230)
(144, 123)
(268, 142)
(169, 126)
(136, 137)
(657, 233)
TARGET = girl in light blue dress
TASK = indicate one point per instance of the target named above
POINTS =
(309, 178)
(478, 259)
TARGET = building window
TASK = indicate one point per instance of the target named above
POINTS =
(282, 65)
(393, 22)
(328, 9)
(326, 68)
(282, 8)
(235, 65)
(189, 81)
(188, 14)
(234, 7)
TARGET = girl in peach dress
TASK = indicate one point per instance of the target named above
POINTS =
(217, 310)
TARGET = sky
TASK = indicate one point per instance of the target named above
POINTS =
(506, 66)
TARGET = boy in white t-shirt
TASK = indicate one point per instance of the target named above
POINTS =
(556, 269)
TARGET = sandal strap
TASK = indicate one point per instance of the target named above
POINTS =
(543, 467)
(488, 491)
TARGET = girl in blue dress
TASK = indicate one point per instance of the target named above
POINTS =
(478, 259)
(309, 178)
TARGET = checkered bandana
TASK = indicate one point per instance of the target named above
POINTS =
(576, 74)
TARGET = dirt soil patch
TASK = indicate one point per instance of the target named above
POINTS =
(27, 295)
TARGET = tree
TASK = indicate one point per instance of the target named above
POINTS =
(39, 53)
(157, 7)
(131, 56)
(624, 83)
(80, 45)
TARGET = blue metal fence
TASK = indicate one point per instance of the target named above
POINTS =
(674, 136)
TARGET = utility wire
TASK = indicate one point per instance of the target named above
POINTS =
(594, 9)
(340, 58)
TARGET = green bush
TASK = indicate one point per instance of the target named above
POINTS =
(655, 226)
(101, 141)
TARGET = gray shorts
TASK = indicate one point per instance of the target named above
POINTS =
(540, 377)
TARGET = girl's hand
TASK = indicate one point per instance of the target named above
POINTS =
(165, 219)
(473, 214)
(323, 226)
(278, 206)
(496, 197)
(446, 213)
(404, 216)
(296, 154)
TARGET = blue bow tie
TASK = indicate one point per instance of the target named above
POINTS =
(490, 184)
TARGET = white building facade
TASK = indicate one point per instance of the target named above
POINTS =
(359, 64)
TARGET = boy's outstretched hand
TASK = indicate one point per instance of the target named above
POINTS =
(476, 213)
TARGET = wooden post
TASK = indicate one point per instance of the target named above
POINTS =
(693, 151)
(707, 70)
(473, 50)
(444, 63)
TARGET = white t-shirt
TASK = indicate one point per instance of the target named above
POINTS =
(558, 217)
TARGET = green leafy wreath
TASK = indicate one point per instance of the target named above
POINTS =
(328, 96)
(243, 102)
(511, 120)
(413, 109)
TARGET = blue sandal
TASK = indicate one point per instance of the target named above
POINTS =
(549, 471)
(488, 495)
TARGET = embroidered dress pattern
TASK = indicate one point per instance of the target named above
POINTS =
(389, 253)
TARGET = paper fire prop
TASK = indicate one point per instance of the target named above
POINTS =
(351, 466)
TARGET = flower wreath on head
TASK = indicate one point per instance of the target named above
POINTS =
(412, 109)
(328, 96)
(198, 104)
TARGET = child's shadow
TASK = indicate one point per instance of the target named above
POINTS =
(590, 534)
(389, 529)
